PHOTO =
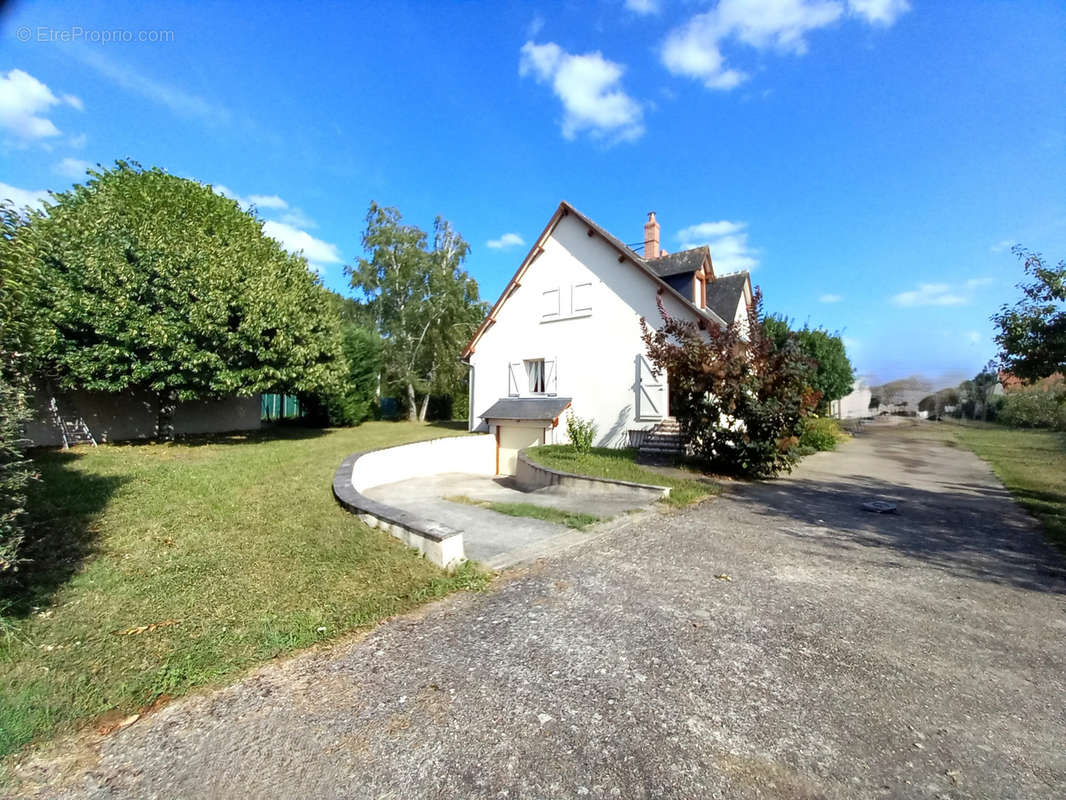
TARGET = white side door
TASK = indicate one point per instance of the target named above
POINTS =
(651, 391)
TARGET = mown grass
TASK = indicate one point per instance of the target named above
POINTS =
(235, 542)
(620, 464)
(572, 519)
(1032, 465)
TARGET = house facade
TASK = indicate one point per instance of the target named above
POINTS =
(565, 335)
(854, 405)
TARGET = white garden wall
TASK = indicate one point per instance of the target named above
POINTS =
(471, 454)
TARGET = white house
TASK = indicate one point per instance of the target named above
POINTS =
(854, 405)
(565, 334)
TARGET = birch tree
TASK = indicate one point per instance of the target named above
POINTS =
(423, 303)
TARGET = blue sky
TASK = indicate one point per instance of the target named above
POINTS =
(869, 160)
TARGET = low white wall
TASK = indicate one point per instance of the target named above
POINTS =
(437, 542)
(130, 415)
(473, 454)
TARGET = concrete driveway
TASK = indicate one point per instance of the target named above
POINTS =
(778, 642)
(499, 540)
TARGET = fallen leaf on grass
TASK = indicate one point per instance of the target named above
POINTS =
(146, 628)
(723, 577)
(114, 721)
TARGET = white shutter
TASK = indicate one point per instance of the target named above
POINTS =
(651, 391)
(551, 381)
(515, 377)
(581, 297)
(551, 303)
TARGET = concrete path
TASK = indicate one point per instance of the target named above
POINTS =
(778, 642)
(495, 539)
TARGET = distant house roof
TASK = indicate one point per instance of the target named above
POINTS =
(528, 408)
(724, 293)
(676, 263)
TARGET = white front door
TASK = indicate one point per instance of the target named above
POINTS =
(651, 391)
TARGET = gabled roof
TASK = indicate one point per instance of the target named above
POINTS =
(624, 254)
(724, 293)
(677, 263)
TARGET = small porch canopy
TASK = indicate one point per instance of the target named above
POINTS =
(526, 409)
(521, 422)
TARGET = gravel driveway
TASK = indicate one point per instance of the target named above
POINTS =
(776, 642)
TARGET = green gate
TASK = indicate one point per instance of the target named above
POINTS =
(279, 406)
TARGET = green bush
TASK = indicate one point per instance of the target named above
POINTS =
(819, 433)
(1039, 406)
(15, 473)
(581, 432)
(739, 398)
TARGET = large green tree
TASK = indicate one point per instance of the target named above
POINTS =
(353, 398)
(422, 302)
(1032, 332)
(833, 375)
(159, 284)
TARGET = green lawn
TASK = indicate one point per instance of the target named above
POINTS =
(1031, 464)
(621, 464)
(233, 546)
(572, 519)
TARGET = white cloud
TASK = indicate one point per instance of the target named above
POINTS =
(830, 298)
(590, 90)
(536, 25)
(267, 201)
(271, 202)
(942, 294)
(298, 219)
(695, 48)
(295, 240)
(72, 167)
(176, 99)
(930, 294)
(505, 241)
(23, 197)
(973, 337)
(1000, 246)
(23, 102)
(728, 241)
(79, 141)
(879, 12)
(643, 6)
(706, 230)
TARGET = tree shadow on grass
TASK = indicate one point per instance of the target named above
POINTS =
(60, 534)
(966, 530)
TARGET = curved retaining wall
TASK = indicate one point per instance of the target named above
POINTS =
(533, 476)
(439, 543)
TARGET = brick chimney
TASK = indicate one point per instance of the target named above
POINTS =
(651, 237)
